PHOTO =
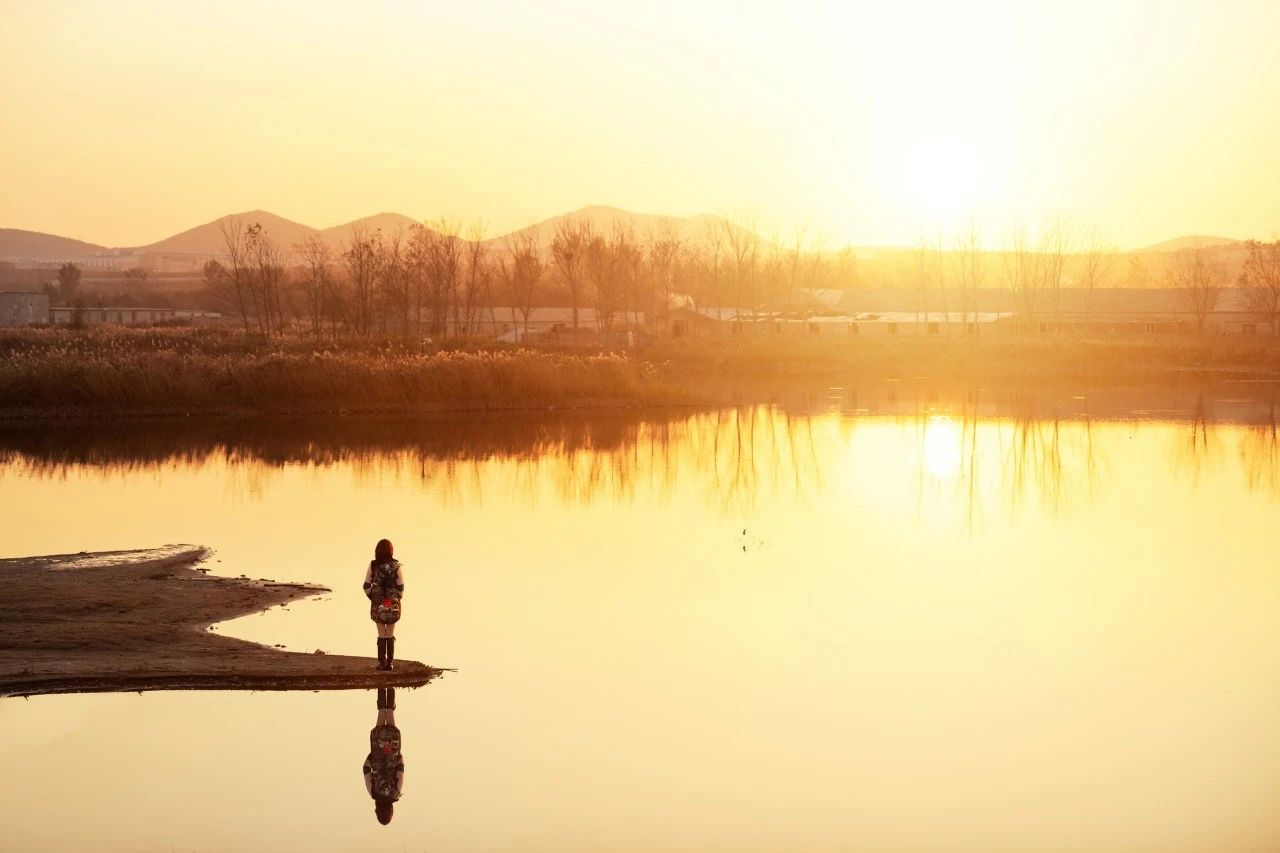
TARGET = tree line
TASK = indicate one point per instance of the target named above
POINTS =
(445, 280)
(1039, 270)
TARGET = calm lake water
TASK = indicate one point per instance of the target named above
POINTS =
(900, 621)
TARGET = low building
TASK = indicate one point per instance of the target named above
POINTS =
(1105, 311)
(510, 324)
(685, 322)
(97, 315)
(14, 277)
(913, 323)
(187, 315)
(24, 308)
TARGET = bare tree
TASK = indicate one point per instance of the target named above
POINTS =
(743, 244)
(433, 269)
(709, 267)
(448, 268)
(970, 271)
(392, 279)
(522, 271)
(940, 280)
(924, 256)
(361, 260)
(237, 270)
(603, 269)
(266, 277)
(418, 259)
(773, 277)
(1197, 275)
(664, 252)
(478, 284)
(630, 267)
(840, 270)
(1136, 275)
(1021, 269)
(568, 259)
(317, 281)
(794, 258)
(1260, 278)
(1097, 267)
(1055, 242)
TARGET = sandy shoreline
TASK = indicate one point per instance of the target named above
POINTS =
(137, 620)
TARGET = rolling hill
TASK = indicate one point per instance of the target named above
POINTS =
(690, 229)
(1191, 241)
(207, 238)
(16, 243)
(601, 218)
(388, 223)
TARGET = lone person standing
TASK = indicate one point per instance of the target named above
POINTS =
(384, 584)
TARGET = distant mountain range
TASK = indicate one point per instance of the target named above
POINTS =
(206, 239)
(202, 240)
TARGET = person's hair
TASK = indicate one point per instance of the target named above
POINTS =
(383, 808)
(382, 551)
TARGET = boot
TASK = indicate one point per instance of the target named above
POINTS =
(390, 702)
(382, 653)
(382, 698)
(391, 652)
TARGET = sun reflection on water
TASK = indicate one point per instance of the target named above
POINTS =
(942, 447)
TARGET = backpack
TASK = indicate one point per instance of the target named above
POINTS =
(384, 598)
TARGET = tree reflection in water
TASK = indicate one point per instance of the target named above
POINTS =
(1017, 452)
(1204, 437)
(1259, 452)
(972, 450)
(1197, 450)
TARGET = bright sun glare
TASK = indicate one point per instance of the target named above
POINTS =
(941, 115)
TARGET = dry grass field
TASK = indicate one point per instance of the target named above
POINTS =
(208, 371)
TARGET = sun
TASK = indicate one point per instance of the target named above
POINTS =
(939, 120)
(940, 179)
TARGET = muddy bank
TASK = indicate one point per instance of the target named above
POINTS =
(137, 620)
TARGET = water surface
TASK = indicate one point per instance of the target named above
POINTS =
(898, 620)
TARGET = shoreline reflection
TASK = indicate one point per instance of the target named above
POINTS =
(973, 451)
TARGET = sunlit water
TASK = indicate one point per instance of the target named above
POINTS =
(926, 626)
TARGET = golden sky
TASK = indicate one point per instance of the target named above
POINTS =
(126, 121)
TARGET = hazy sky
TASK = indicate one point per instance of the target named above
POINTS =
(125, 121)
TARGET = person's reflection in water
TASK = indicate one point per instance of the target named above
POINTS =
(384, 768)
